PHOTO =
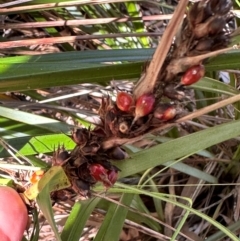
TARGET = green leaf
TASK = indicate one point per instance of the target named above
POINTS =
(134, 11)
(77, 219)
(229, 60)
(184, 168)
(34, 120)
(36, 229)
(49, 76)
(138, 204)
(114, 220)
(220, 234)
(96, 56)
(38, 144)
(178, 148)
(171, 199)
(12, 129)
(215, 86)
(31, 75)
(54, 179)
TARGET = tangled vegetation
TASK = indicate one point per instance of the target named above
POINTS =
(103, 146)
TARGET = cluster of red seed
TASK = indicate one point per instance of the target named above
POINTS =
(145, 104)
(88, 163)
(101, 174)
(193, 75)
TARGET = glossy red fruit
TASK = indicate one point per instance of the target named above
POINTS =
(144, 105)
(169, 114)
(193, 74)
(124, 101)
(165, 112)
(36, 176)
(13, 215)
(112, 178)
(98, 172)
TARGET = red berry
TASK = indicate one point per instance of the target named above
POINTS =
(36, 176)
(193, 74)
(169, 114)
(144, 105)
(98, 172)
(165, 112)
(124, 101)
(112, 177)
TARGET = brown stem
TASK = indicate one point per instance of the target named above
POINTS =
(147, 83)
(67, 39)
(81, 22)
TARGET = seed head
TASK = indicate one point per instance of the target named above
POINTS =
(192, 75)
(124, 101)
(144, 105)
(165, 112)
(98, 172)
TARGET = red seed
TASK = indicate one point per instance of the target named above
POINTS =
(36, 176)
(112, 178)
(124, 101)
(193, 74)
(165, 112)
(169, 114)
(144, 106)
(98, 172)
